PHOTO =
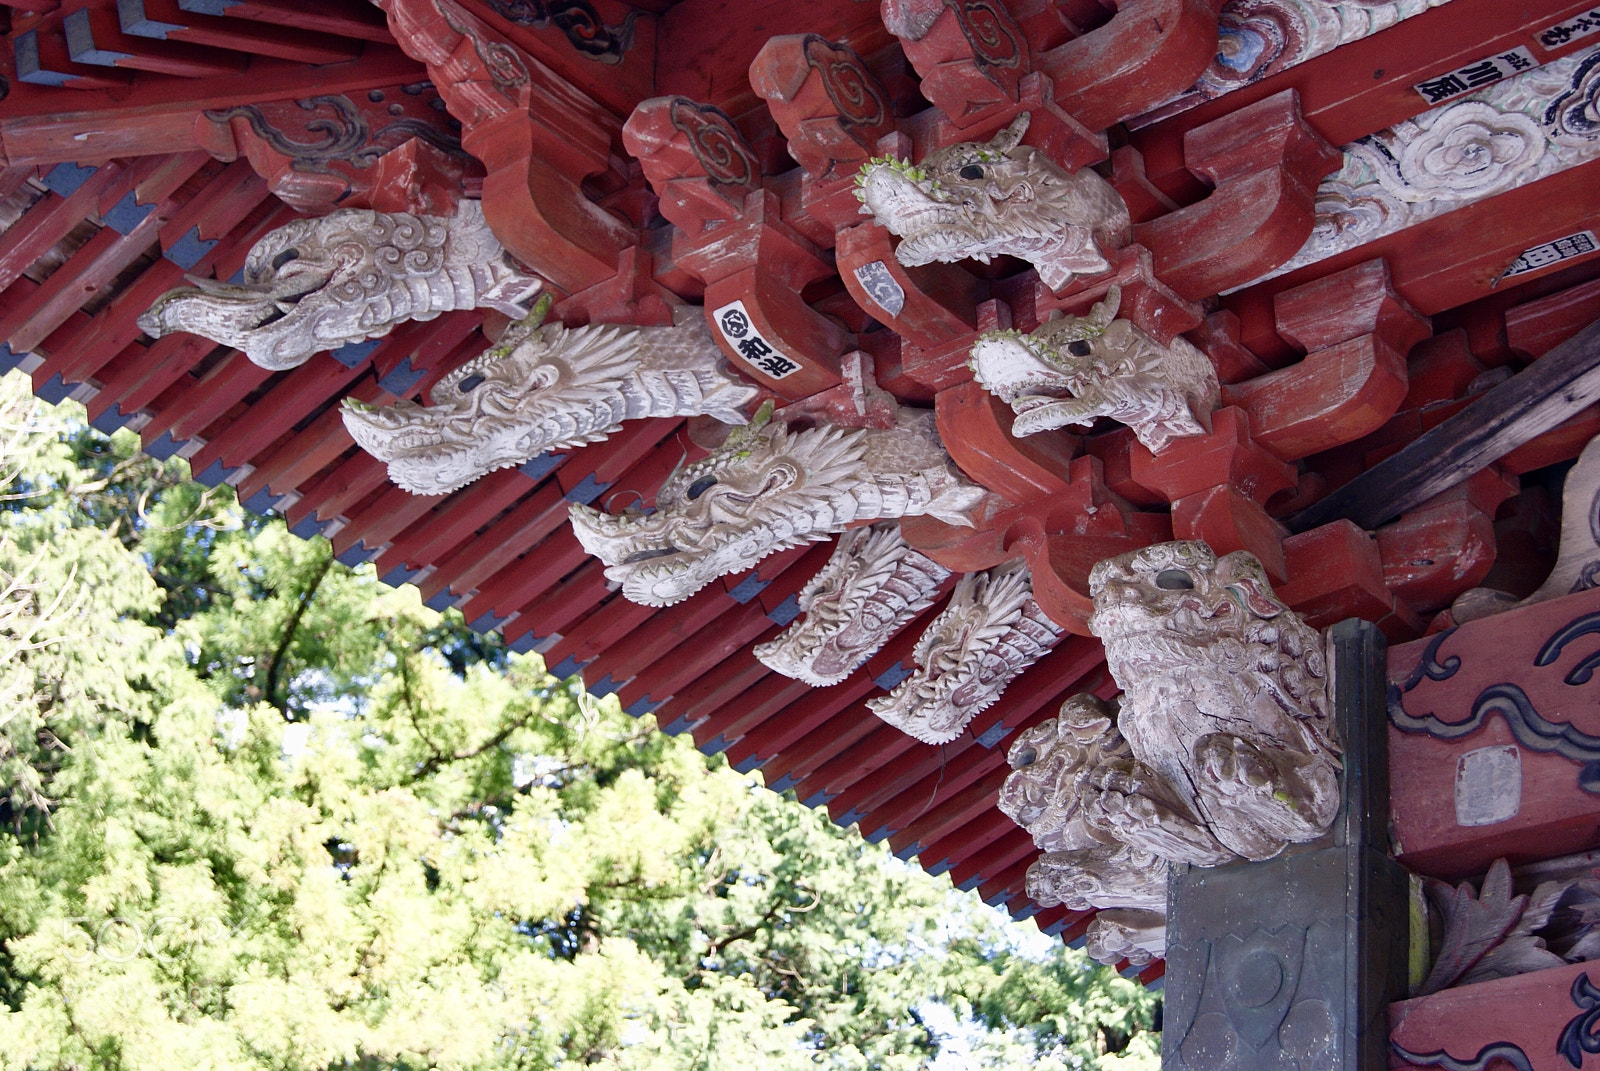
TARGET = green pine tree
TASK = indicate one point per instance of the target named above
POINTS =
(262, 812)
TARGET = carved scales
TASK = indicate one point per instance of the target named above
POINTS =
(1074, 369)
(870, 588)
(766, 489)
(1001, 197)
(989, 632)
(318, 284)
(548, 388)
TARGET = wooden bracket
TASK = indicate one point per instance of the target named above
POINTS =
(832, 110)
(1150, 51)
(1265, 163)
(971, 54)
(537, 137)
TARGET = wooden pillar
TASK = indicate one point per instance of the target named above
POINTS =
(1294, 961)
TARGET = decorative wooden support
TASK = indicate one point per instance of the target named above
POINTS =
(1148, 53)
(1358, 331)
(1065, 518)
(1265, 163)
(832, 110)
(1553, 388)
(1298, 957)
(536, 136)
(330, 150)
(971, 54)
(732, 236)
(1494, 741)
(1218, 485)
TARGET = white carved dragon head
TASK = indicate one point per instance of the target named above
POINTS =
(1000, 197)
(1075, 368)
(1049, 764)
(873, 585)
(989, 632)
(767, 489)
(317, 284)
(544, 388)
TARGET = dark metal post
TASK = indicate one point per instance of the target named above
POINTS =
(1293, 962)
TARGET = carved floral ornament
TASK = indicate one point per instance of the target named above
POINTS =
(354, 274)
(981, 200)
(1513, 132)
(1220, 748)
(1076, 368)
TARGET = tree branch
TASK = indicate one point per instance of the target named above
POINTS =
(275, 666)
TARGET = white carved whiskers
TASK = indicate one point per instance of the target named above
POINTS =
(1074, 369)
(870, 588)
(544, 388)
(767, 488)
(989, 632)
(1001, 197)
(318, 284)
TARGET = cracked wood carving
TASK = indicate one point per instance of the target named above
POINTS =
(1108, 828)
(990, 632)
(870, 588)
(318, 284)
(1074, 369)
(1225, 692)
(982, 200)
(547, 388)
(766, 489)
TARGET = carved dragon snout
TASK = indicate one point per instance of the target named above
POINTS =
(258, 319)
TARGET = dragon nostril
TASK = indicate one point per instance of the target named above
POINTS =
(701, 486)
(469, 383)
(285, 257)
(972, 172)
(1079, 348)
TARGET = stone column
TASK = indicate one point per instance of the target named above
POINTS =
(1292, 962)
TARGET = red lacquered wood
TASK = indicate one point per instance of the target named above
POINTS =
(473, 507)
(289, 401)
(534, 518)
(297, 43)
(1531, 1012)
(550, 611)
(1553, 816)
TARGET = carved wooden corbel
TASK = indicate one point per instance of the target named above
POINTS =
(536, 136)
(832, 110)
(732, 237)
(333, 150)
(1150, 51)
(971, 54)
(1265, 164)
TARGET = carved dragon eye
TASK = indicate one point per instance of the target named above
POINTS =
(285, 257)
(701, 486)
(469, 383)
(1174, 580)
(1079, 347)
(972, 172)
(1027, 757)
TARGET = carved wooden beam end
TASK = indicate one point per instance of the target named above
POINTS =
(1265, 163)
(537, 137)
